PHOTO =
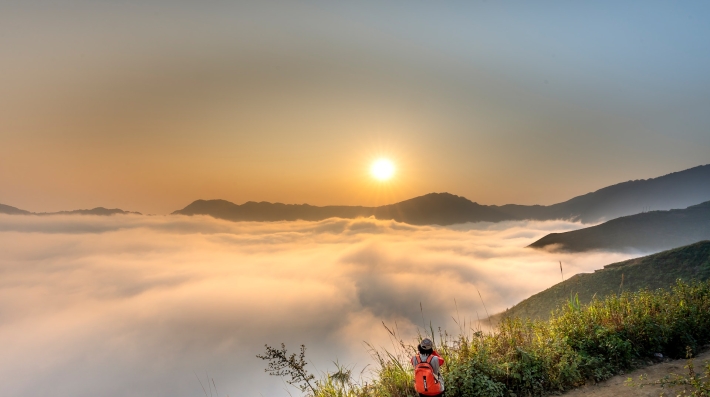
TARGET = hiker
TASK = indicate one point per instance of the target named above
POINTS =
(427, 380)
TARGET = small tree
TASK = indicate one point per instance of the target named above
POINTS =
(281, 364)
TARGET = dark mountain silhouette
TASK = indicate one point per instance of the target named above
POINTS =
(675, 190)
(6, 209)
(650, 231)
(94, 211)
(661, 270)
(440, 209)
(433, 208)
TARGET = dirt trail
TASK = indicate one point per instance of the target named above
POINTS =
(615, 386)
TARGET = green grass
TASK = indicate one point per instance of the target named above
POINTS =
(579, 343)
(659, 270)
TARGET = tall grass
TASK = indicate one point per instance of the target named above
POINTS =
(532, 358)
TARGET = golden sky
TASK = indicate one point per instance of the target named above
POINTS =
(147, 106)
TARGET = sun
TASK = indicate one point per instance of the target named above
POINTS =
(382, 169)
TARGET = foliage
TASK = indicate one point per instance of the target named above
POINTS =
(281, 364)
(533, 358)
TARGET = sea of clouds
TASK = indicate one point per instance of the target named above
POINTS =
(135, 305)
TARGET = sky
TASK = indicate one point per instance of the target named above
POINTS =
(138, 305)
(149, 105)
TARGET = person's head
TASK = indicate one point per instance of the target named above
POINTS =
(425, 346)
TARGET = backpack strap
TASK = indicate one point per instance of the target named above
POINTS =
(428, 361)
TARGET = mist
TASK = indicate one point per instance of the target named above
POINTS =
(142, 305)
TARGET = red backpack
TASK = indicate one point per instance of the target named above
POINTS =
(425, 382)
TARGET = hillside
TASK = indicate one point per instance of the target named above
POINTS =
(675, 190)
(581, 345)
(659, 270)
(433, 208)
(6, 209)
(650, 231)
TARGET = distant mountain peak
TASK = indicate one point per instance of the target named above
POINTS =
(6, 209)
(94, 211)
(431, 208)
(679, 189)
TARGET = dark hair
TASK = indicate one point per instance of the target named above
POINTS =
(424, 351)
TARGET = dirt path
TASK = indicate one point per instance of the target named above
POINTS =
(615, 386)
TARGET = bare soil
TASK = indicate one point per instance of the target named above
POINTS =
(615, 386)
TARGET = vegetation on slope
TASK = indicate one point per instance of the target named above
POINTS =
(531, 358)
(659, 270)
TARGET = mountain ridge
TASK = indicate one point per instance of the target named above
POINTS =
(432, 208)
(675, 190)
(6, 209)
(678, 189)
(654, 230)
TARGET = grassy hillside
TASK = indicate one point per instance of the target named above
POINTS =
(609, 330)
(656, 230)
(580, 343)
(660, 270)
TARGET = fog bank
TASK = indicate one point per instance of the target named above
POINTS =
(136, 305)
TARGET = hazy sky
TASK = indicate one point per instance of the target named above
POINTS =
(136, 305)
(149, 105)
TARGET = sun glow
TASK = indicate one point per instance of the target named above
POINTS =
(382, 169)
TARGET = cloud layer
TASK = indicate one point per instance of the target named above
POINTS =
(137, 305)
